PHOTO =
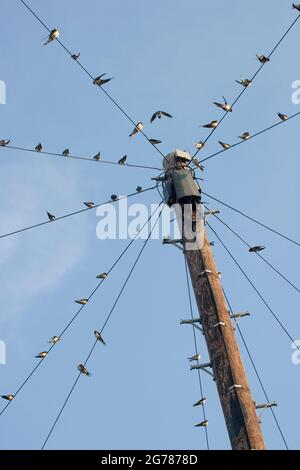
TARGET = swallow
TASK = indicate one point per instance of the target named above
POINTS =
(263, 59)
(101, 81)
(296, 6)
(139, 126)
(82, 301)
(203, 424)
(245, 82)
(51, 217)
(200, 402)
(224, 145)
(97, 156)
(4, 142)
(54, 339)
(225, 106)
(53, 35)
(199, 145)
(83, 370)
(75, 56)
(283, 117)
(256, 249)
(245, 136)
(41, 355)
(8, 397)
(159, 115)
(211, 125)
(194, 358)
(99, 337)
(101, 276)
(38, 148)
(89, 204)
(114, 197)
(139, 189)
(155, 141)
(122, 160)
(66, 152)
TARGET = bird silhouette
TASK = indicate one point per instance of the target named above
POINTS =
(102, 276)
(89, 204)
(99, 81)
(256, 249)
(283, 117)
(296, 6)
(225, 106)
(138, 127)
(155, 141)
(245, 136)
(38, 148)
(122, 160)
(75, 56)
(8, 397)
(245, 82)
(4, 142)
(114, 197)
(199, 145)
(82, 301)
(66, 152)
(211, 125)
(200, 402)
(53, 35)
(194, 358)
(54, 340)
(139, 189)
(224, 145)
(97, 156)
(99, 337)
(159, 115)
(41, 355)
(263, 59)
(83, 370)
(51, 217)
(202, 424)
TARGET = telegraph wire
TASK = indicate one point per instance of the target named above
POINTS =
(104, 325)
(257, 373)
(252, 219)
(252, 79)
(121, 109)
(258, 254)
(82, 306)
(196, 351)
(254, 288)
(75, 157)
(80, 211)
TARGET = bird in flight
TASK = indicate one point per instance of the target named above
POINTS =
(38, 148)
(83, 370)
(82, 301)
(245, 82)
(211, 125)
(283, 117)
(53, 35)
(245, 136)
(41, 355)
(138, 127)
(225, 106)
(99, 337)
(51, 217)
(159, 115)
(4, 142)
(263, 59)
(122, 160)
(224, 145)
(101, 81)
(256, 249)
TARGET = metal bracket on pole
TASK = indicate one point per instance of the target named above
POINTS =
(176, 242)
(192, 322)
(203, 367)
(263, 407)
(209, 213)
(237, 316)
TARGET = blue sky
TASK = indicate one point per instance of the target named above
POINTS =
(177, 56)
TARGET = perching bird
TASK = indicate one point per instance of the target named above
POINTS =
(89, 204)
(199, 145)
(245, 136)
(139, 126)
(41, 355)
(155, 141)
(101, 276)
(53, 35)
(82, 301)
(38, 148)
(296, 6)
(256, 249)
(139, 189)
(99, 337)
(8, 397)
(4, 142)
(202, 424)
(54, 340)
(75, 56)
(211, 125)
(159, 115)
(83, 370)
(97, 156)
(113, 197)
(51, 217)
(200, 402)
(283, 117)
(263, 59)
(225, 106)
(245, 82)
(66, 152)
(224, 145)
(194, 358)
(101, 81)
(122, 160)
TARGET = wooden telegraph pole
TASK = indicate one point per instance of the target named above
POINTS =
(225, 360)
